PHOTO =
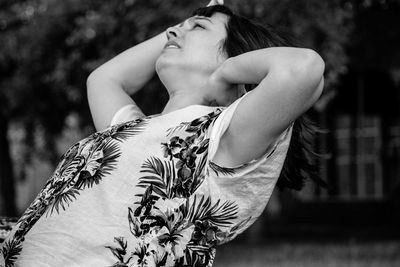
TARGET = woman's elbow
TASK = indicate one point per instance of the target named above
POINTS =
(96, 78)
(313, 66)
(308, 69)
(309, 74)
(316, 67)
(95, 75)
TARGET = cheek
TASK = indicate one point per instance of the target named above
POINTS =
(209, 57)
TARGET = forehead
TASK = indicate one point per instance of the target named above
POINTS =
(219, 18)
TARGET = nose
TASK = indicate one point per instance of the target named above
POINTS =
(172, 32)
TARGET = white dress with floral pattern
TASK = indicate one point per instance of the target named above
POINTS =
(145, 192)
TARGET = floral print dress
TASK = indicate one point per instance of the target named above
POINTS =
(145, 192)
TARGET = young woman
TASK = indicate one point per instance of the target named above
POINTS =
(166, 189)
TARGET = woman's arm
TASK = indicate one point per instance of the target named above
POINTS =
(290, 81)
(109, 87)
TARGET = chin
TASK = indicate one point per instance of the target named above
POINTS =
(159, 64)
(164, 71)
(164, 63)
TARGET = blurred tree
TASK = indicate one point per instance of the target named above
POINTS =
(375, 56)
(375, 74)
(8, 24)
(377, 39)
(48, 48)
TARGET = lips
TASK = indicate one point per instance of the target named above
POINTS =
(172, 44)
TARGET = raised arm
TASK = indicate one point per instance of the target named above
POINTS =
(290, 81)
(109, 87)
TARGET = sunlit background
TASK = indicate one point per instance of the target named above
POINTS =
(49, 47)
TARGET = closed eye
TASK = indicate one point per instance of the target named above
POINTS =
(197, 25)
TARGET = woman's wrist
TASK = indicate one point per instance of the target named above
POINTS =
(234, 70)
(221, 74)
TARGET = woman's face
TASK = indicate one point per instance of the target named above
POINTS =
(194, 46)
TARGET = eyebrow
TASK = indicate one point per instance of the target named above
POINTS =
(204, 18)
(195, 18)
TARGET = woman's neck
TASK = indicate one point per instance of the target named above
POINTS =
(179, 100)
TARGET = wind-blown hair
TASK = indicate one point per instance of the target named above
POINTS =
(244, 35)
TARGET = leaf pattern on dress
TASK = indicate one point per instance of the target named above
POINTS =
(180, 173)
(100, 164)
(120, 252)
(219, 214)
(123, 131)
(199, 125)
(11, 250)
(160, 175)
(85, 164)
(171, 224)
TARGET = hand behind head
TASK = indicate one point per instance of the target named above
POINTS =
(215, 2)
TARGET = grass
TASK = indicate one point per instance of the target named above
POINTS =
(311, 254)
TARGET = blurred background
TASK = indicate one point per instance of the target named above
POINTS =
(49, 47)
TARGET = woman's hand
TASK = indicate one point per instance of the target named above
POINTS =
(221, 92)
(215, 2)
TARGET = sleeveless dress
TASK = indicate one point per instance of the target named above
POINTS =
(145, 192)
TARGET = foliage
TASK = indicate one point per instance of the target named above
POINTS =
(375, 44)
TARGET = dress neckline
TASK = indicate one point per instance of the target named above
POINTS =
(184, 108)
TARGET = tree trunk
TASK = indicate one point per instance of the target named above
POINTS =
(7, 187)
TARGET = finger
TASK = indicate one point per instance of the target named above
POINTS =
(215, 2)
(212, 3)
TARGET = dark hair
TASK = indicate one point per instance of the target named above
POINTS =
(244, 35)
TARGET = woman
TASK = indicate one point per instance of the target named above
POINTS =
(164, 190)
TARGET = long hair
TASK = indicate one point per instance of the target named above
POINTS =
(244, 35)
